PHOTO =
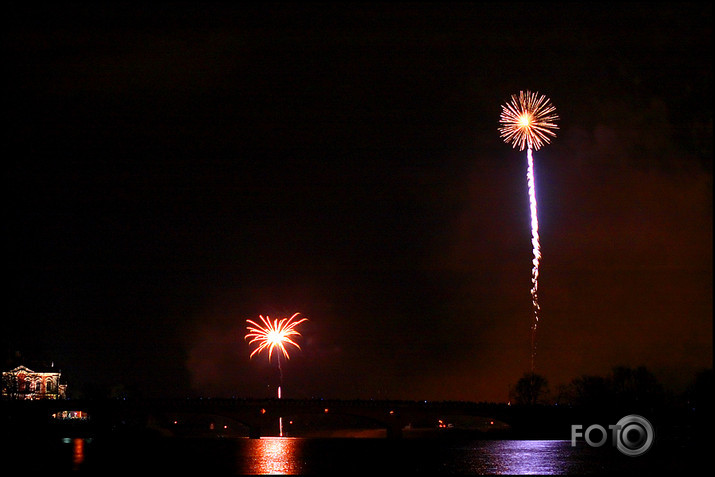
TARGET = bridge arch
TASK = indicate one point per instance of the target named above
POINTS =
(221, 424)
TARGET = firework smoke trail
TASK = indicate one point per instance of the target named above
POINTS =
(528, 121)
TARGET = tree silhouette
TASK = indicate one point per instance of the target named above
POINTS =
(586, 390)
(635, 388)
(701, 393)
(529, 390)
(624, 387)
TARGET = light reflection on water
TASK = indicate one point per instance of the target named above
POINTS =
(274, 455)
(337, 456)
(523, 457)
(77, 453)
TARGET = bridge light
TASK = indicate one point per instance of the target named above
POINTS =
(392, 413)
(325, 410)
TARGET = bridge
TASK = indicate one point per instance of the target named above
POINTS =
(259, 416)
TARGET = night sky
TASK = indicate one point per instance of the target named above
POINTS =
(172, 170)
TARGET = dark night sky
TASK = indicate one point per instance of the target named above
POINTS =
(173, 170)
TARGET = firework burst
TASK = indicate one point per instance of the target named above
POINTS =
(273, 334)
(528, 121)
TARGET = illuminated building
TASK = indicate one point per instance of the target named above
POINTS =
(25, 384)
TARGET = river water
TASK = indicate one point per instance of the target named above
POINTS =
(339, 456)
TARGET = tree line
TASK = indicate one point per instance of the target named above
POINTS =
(635, 388)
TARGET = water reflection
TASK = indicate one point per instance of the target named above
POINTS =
(335, 456)
(526, 457)
(274, 455)
(77, 453)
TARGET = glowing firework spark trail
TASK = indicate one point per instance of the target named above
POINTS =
(528, 121)
(271, 335)
(531, 181)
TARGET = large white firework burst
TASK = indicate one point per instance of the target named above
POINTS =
(528, 121)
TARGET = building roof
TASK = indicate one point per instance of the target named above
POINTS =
(27, 370)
